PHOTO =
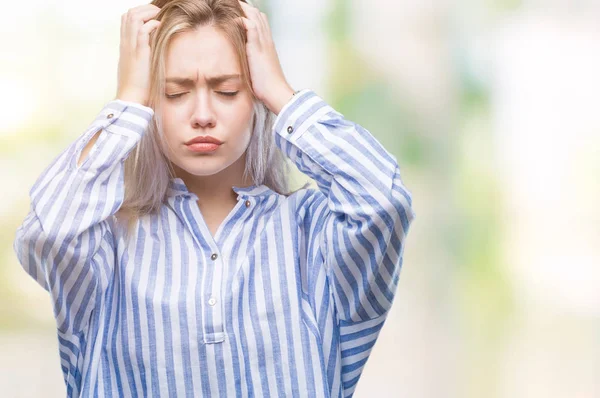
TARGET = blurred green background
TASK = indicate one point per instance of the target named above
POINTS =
(491, 108)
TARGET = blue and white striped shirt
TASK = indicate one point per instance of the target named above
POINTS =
(286, 300)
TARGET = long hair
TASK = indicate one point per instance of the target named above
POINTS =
(147, 171)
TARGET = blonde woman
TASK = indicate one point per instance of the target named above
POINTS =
(178, 261)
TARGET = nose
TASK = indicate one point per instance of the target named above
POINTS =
(203, 115)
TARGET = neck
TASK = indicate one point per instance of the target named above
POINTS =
(216, 190)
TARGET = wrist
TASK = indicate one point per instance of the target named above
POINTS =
(131, 97)
(279, 98)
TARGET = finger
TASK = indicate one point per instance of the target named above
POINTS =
(123, 19)
(144, 34)
(251, 31)
(266, 31)
(244, 4)
(135, 18)
(250, 11)
(254, 14)
(267, 24)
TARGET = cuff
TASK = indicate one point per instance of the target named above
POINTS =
(299, 113)
(124, 118)
(135, 105)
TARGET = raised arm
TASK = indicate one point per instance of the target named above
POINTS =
(368, 208)
(65, 242)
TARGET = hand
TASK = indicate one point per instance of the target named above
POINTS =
(134, 59)
(268, 81)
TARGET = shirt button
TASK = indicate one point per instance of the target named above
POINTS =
(290, 129)
(212, 301)
(248, 203)
(109, 116)
(214, 256)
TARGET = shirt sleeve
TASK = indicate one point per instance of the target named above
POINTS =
(368, 208)
(65, 242)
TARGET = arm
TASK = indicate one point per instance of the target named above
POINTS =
(368, 208)
(65, 242)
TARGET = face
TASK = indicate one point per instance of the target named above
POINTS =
(205, 96)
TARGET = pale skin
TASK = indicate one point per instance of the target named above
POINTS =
(202, 106)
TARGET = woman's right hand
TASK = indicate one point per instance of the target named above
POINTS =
(133, 74)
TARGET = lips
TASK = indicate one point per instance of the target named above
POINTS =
(204, 139)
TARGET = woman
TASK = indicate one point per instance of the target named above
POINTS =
(178, 262)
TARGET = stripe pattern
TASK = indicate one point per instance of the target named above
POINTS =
(286, 299)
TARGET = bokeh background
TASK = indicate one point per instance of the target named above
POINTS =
(492, 109)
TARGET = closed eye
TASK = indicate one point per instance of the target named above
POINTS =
(174, 95)
(225, 93)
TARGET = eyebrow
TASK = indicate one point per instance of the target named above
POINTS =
(212, 81)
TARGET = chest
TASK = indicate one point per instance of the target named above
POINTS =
(213, 221)
(177, 271)
(178, 293)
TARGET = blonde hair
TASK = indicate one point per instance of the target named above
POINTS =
(148, 171)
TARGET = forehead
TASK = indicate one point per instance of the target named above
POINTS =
(204, 51)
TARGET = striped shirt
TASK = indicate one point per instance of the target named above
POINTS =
(286, 300)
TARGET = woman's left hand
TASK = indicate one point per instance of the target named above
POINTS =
(268, 81)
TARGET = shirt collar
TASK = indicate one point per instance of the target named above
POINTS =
(177, 187)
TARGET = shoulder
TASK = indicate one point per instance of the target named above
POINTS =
(306, 196)
(306, 203)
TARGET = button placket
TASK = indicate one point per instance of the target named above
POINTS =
(212, 300)
(213, 332)
(216, 275)
(211, 257)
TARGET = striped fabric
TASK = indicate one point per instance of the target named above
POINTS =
(286, 300)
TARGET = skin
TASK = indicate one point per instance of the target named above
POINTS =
(204, 108)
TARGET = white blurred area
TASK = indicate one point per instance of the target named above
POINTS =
(546, 100)
(547, 121)
(540, 62)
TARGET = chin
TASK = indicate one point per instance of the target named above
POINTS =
(204, 167)
(204, 171)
